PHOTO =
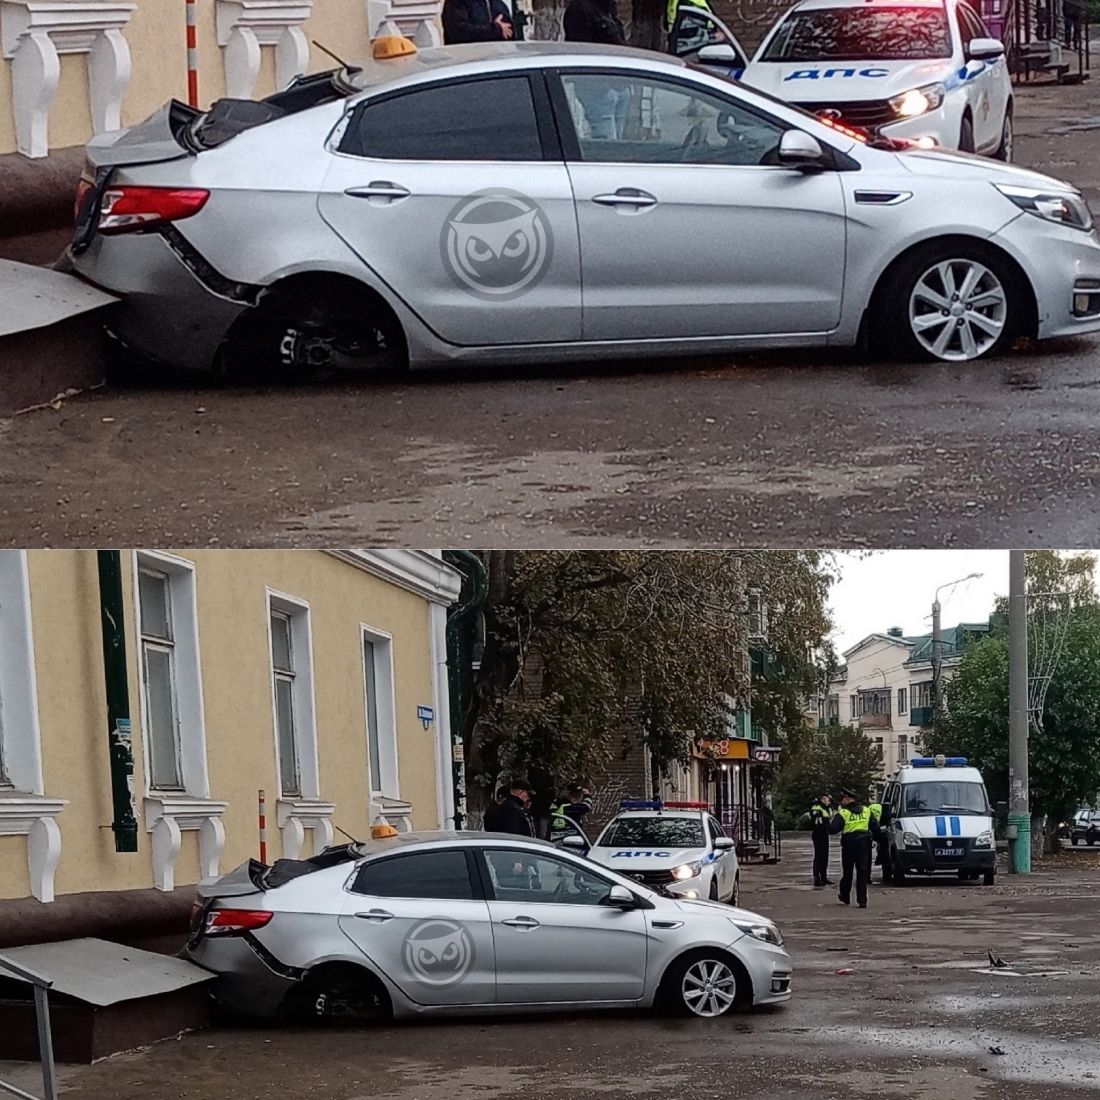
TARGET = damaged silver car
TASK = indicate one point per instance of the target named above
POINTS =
(472, 923)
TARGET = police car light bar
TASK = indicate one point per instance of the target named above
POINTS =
(640, 804)
(938, 761)
(687, 805)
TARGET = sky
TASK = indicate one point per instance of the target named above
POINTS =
(897, 587)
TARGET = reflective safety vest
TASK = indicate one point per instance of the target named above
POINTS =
(675, 5)
(876, 810)
(856, 823)
(818, 810)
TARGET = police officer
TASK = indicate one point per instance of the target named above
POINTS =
(856, 825)
(820, 815)
(576, 807)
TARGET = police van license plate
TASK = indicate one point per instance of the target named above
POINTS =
(948, 851)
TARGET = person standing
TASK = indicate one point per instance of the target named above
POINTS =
(476, 21)
(513, 813)
(821, 815)
(594, 21)
(854, 823)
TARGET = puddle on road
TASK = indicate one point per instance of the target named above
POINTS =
(1073, 1062)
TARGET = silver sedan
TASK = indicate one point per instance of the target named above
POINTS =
(472, 923)
(539, 202)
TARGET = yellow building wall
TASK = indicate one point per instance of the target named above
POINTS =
(232, 608)
(156, 34)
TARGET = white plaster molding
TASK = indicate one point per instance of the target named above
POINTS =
(418, 571)
(33, 816)
(415, 19)
(245, 26)
(169, 814)
(296, 815)
(33, 33)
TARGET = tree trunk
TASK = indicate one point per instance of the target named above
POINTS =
(647, 27)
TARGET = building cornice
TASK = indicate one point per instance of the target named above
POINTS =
(417, 571)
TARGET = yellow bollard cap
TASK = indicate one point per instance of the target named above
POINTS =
(381, 832)
(392, 45)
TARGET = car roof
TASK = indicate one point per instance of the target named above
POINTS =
(909, 774)
(660, 813)
(435, 837)
(490, 56)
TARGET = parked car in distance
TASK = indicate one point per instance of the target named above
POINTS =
(1085, 826)
(437, 923)
(524, 203)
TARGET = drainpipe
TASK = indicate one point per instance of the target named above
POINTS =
(119, 735)
(458, 663)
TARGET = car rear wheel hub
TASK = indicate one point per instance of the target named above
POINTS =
(958, 310)
(709, 987)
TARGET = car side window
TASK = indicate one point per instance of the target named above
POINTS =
(475, 120)
(966, 25)
(442, 874)
(523, 876)
(629, 118)
(716, 829)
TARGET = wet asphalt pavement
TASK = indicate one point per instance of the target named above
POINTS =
(916, 1020)
(755, 450)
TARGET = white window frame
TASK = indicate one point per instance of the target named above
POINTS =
(903, 701)
(171, 812)
(387, 784)
(186, 673)
(300, 617)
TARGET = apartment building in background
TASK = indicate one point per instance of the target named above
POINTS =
(886, 687)
(316, 676)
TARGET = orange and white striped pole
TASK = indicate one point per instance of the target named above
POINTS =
(192, 53)
(263, 827)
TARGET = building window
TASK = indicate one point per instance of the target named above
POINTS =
(903, 706)
(878, 745)
(923, 695)
(903, 746)
(757, 612)
(381, 715)
(292, 697)
(832, 710)
(158, 662)
(853, 703)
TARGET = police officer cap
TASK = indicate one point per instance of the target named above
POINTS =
(847, 793)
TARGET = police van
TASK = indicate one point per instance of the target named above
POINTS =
(927, 72)
(936, 818)
(679, 848)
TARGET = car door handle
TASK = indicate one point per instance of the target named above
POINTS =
(627, 196)
(379, 916)
(521, 922)
(384, 190)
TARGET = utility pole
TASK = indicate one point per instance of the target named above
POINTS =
(1019, 807)
(937, 662)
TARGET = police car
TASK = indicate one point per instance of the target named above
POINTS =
(937, 818)
(926, 71)
(677, 847)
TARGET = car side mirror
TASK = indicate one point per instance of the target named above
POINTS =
(720, 54)
(985, 49)
(801, 151)
(619, 897)
(723, 843)
(576, 843)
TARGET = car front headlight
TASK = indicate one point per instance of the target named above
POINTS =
(910, 840)
(1064, 207)
(759, 929)
(984, 840)
(686, 871)
(918, 101)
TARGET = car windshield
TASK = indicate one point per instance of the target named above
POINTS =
(945, 797)
(861, 34)
(654, 832)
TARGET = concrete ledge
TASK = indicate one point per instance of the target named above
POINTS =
(37, 195)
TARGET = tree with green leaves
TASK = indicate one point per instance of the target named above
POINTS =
(582, 646)
(835, 758)
(1064, 732)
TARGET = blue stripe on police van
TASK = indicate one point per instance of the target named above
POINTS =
(941, 826)
(955, 828)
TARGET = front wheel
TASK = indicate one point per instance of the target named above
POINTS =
(899, 874)
(1004, 150)
(966, 136)
(735, 897)
(989, 878)
(951, 302)
(703, 985)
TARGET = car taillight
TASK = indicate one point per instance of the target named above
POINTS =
(129, 209)
(235, 922)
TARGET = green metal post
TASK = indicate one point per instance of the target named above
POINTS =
(119, 733)
(458, 664)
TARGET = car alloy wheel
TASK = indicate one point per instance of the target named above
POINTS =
(1004, 152)
(958, 310)
(709, 987)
